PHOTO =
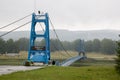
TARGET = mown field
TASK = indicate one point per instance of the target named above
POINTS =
(96, 59)
(60, 56)
(65, 73)
(9, 59)
(13, 59)
(95, 67)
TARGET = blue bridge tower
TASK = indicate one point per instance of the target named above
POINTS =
(39, 54)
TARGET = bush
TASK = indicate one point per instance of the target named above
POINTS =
(118, 59)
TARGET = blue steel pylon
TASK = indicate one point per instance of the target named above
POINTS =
(43, 54)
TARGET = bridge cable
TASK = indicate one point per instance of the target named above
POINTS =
(15, 21)
(58, 37)
(34, 4)
(41, 27)
(52, 43)
(14, 29)
(58, 50)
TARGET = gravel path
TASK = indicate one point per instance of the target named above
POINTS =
(10, 69)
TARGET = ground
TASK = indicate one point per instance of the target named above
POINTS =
(95, 67)
(11, 69)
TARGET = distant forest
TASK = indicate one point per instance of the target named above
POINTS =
(105, 46)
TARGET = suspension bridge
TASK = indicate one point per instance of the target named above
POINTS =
(42, 54)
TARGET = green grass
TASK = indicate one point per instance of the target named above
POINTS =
(93, 62)
(12, 61)
(19, 60)
(66, 73)
(90, 69)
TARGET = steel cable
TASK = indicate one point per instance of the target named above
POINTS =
(58, 37)
(15, 21)
(14, 29)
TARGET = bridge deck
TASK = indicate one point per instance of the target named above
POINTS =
(71, 60)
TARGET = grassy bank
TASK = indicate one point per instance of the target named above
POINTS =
(12, 61)
(93, 62)
(96, 67)
(19, 59)
(66, 73)
(22, 56)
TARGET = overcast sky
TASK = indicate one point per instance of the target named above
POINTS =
(65, 14)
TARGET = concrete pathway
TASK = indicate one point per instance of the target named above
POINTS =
(10, 69)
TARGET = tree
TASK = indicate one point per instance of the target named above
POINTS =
(22, 44)
(96, 45)
(89, 46)
(68, 45)
(108, 46)
(79, 45)
(2, 46)
(11, 47)
(55, 45)
(118, 58)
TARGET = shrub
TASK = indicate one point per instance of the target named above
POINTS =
(118, 59)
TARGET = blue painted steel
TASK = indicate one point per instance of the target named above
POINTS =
(82, 47)
(34, 54)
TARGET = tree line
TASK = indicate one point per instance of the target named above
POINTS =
(105, 46)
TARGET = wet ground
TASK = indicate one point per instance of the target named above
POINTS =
(10, 69)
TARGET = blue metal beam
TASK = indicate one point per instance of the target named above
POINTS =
(34, 54)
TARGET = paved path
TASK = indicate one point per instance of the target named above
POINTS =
(10, 69)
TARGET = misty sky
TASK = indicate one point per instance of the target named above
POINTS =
(65, 14)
